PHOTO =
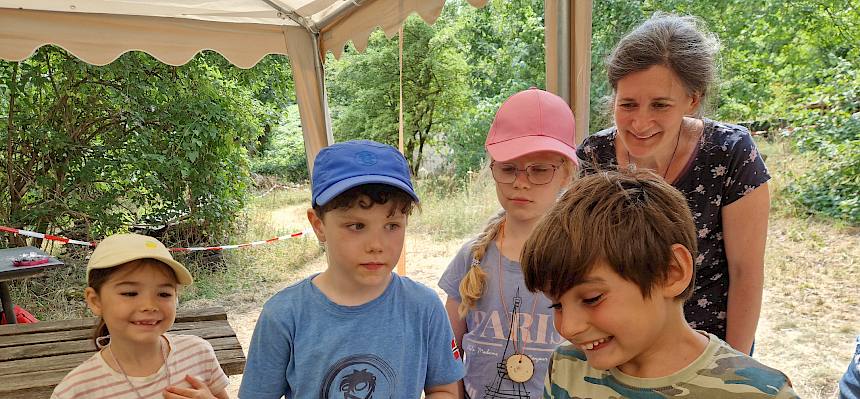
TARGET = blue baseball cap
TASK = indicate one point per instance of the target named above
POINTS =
(342, 166)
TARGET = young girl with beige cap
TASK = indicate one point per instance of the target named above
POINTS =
(132, 283)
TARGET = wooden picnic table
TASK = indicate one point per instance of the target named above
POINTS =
(35, 357)
(9, 272)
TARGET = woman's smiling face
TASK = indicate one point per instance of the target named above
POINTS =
(649, 108)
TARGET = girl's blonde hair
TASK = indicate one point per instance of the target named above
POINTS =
(474, 282)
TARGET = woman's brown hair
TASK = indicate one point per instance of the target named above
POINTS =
(680, 43)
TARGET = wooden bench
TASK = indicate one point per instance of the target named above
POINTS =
(35, 357)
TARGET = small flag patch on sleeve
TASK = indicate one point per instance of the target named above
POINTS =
(455, 351)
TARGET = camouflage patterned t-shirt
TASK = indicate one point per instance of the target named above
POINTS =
(720, 372)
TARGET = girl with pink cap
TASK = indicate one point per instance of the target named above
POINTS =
(504, 331)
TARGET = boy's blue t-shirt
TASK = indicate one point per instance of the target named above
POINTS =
(395, 346)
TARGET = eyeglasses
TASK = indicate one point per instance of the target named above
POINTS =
(537, 174)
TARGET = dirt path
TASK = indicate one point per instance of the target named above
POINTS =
(811, 307)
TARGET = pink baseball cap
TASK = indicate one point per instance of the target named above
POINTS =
(530, 121)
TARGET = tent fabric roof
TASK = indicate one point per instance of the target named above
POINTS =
(174, 31)
(245, 31)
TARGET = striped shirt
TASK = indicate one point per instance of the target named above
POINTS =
(189, 355)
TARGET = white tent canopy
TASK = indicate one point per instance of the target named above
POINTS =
(245, 31)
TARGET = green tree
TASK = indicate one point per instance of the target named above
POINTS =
(504, 44)
(91, 150)
(364, 88)
(284, 154)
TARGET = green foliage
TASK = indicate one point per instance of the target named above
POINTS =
(831, 134)
(505, 47)
(831, 188)
(505, 43)
(365, 90)
(456, 74)
(453, 207)
(466, 143)
(285, 154)
(92, 150)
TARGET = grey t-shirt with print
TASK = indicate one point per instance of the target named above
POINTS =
(485, 342)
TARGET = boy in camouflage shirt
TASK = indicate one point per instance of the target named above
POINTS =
(615, 255)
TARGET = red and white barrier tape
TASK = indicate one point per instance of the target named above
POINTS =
(49, 237)
(65, 240)
(245, 245)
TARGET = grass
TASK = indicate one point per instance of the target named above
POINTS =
(449, 210)
(454, 209)
(810, 314)
(256, 270)
(56, 295)
(784, 165)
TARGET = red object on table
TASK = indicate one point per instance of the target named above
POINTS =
(33, 262)
(21, 316)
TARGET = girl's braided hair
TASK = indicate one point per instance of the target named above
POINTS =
(473, 283)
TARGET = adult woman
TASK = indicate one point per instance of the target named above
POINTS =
(660, 74)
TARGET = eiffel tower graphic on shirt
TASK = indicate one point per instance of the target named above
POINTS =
(503, 387)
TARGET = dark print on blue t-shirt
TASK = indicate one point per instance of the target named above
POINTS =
(363, 376)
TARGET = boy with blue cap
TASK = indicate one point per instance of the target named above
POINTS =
(356, 330)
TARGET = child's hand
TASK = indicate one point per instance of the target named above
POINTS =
(198, 390)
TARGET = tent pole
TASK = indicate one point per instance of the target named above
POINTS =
(293, 16)
(401, 263)
(568, 56)
(309, 80)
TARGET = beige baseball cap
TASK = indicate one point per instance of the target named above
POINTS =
(121, 248)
